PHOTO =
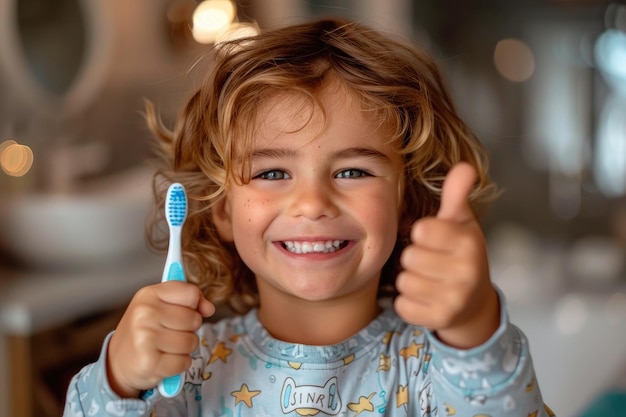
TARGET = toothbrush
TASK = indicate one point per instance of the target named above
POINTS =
(175, 214)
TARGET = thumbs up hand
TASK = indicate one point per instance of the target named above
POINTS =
(445, 283)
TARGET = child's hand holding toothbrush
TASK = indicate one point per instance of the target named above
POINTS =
(155, 336)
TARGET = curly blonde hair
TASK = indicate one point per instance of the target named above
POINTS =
(207, 148)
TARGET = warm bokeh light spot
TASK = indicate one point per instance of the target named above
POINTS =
(211, 18)
(15, 159)
(6, 144)
(514, 60)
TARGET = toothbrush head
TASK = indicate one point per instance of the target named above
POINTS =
(176, 205)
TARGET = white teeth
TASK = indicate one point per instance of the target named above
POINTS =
(313, 247)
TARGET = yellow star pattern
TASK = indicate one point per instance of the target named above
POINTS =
(450, 411)
(531, 385)
(364, 404)
(244, 395)
(412, 350)
(387, 338)
(295, 365)
(384, 363)
(402, 396)
(221, 352)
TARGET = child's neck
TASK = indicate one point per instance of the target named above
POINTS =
(318, 323)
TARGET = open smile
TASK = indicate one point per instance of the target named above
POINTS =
(302, 247)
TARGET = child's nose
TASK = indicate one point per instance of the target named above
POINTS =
(313, 200)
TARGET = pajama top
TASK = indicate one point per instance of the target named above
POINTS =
(389, 368)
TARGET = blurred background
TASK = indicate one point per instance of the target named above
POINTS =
(542, 83)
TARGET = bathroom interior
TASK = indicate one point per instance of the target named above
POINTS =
(541, 82)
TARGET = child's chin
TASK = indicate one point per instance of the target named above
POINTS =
(316, 294)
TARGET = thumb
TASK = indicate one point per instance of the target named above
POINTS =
(455, 192)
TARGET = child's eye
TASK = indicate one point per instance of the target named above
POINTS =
(273, 174)
(352, 173)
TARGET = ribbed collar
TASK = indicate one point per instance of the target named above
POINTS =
(276, 350)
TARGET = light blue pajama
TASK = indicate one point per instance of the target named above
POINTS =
(390, 368)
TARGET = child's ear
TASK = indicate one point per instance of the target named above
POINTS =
(221, 216)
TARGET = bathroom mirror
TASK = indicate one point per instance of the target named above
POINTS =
(54, 55)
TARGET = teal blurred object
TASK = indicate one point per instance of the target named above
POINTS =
(609, 404)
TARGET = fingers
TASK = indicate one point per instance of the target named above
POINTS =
(183, 294)
(444, 236)
(156, 335)
(430, 302)
(426, 263)
(173, 365)
(174, 317)
(176, 342)
(173, 305)
(457, 187)
(420, 291)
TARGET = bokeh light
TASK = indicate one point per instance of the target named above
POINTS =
(15, 159)
(514, 60)
(211, 18)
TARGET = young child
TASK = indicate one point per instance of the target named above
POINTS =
(327, 170)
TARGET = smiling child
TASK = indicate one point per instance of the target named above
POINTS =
(327, 172)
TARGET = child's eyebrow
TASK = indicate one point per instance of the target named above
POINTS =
(358, 152)
(274, 153)
(354, 152)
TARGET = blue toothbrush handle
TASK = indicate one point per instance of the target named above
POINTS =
(175, 272)
(171, 386)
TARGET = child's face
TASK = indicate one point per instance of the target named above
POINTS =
(319, 217)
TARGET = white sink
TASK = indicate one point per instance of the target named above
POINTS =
(102, 222)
